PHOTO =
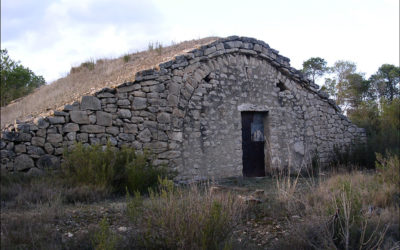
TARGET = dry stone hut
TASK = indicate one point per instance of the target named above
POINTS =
(230, 108)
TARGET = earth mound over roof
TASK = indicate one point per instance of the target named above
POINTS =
(90, 77)
(83, 80)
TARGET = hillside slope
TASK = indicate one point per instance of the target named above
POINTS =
(84, 80)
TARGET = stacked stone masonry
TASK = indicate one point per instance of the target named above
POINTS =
(188, 113)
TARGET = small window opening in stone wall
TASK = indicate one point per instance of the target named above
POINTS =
(281, 86)
(207, 78)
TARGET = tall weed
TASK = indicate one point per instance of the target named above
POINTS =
(185, 218)
(117, 170)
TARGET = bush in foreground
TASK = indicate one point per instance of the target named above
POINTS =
(349, 211)
(113, 169)
(185, 218)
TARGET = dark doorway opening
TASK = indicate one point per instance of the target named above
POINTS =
(253, 141)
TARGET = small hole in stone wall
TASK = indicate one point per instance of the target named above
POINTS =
(207, 78)
(281, 86)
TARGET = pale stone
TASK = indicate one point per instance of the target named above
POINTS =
(71, 136)
(126, 137)
(123, 102)
(56, 120)
(130, 128)
(176, 136)
(124, 113)
(41, 122)
(163, 117)
(90, 103)
(23, 162)
(173, 100)
(82, 137)
(79, 117)
(70, 127)
(139, 103)
(48, 148)
(145, 135)
(54, 138)
(38, 141)
(128, 88)
(41, 132)
(92, 119)
(299, 148)
(169, 154)
(104, 118)
(92, 129)
(112, 130)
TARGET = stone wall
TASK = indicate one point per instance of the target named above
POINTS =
(188, 112)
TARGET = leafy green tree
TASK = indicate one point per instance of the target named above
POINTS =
(339, 86)
(358, 89)
(314, 67)
(386, 82)
(16, 80)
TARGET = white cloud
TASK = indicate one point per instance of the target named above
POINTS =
(51, 35)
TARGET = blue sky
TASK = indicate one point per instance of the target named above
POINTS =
(50, 36)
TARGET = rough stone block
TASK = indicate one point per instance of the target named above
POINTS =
(130, 128)
(90, 103)
(176, 136)
(41, 122)
(38, 141)
(128, 88)
(124, 113)
(5, 153)
(48, 162)
(92, 119)
(23, 137)
(71, 136)
(35, 151)
(48, 148)
(24, 128)
(79, 117)
(104, 118)
(54, 139)
(164, 117)
(9, 136)
(170, 154)
(93, 129)
(70, 127)
(20, 148)
(112, 130)
(123, 102)
(41, 132)
(23, 162)
(126, 137)
(210, 50)
(145, 135)
(82, 137)
(139, 103)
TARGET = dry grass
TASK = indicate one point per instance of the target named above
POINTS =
(88, 78)
(352, 210)
(186, 218)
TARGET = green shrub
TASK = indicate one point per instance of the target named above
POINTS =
(88, 64)
(126, 58)
(388, 169)
(110, 168)
(104, 238)
(16, 80)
